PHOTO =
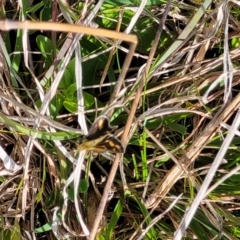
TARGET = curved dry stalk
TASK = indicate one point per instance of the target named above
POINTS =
(192, 152)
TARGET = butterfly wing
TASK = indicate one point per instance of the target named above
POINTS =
(107, 143)
(99, 128)
(110, 144)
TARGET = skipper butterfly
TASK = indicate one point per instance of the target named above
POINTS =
(100, 139)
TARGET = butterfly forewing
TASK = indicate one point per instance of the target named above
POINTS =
(100, 127)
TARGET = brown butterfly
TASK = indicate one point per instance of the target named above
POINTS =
(100, 139)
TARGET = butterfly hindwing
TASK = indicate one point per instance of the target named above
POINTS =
(111, 144)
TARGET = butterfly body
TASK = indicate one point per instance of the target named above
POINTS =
(100, 139)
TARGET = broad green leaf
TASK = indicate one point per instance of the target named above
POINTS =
(45, 46)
